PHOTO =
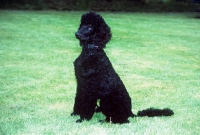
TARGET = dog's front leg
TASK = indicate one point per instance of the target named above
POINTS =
(78, 102)
(87, 108)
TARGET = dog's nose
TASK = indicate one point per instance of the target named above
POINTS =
(78, 35)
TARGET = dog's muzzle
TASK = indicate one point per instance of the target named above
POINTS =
(78, 35)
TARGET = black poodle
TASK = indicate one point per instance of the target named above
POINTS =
(97, 79)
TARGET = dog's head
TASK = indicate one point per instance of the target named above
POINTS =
(93, 30)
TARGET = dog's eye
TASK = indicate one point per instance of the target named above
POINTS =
(90, 27)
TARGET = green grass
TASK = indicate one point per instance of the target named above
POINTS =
(156, 55)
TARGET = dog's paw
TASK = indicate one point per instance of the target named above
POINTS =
(88, 73)
(79, 121)
(73, 114)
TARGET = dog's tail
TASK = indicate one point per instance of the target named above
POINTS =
(152, 112)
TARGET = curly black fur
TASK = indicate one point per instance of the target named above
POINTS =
(152, 112)
(95, 75)
(100, 33)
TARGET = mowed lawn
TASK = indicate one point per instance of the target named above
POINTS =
(156, 55)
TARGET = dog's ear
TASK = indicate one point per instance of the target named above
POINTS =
(108, 34)
(105, 34)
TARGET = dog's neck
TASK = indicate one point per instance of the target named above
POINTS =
(90, 46)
